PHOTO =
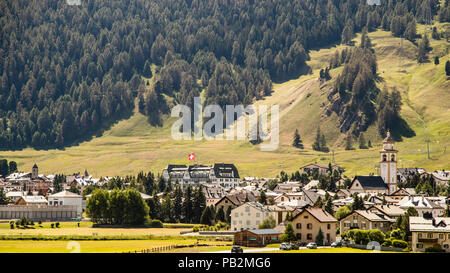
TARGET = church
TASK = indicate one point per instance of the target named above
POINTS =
(386, 182)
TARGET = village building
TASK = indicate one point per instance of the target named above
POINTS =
(406, 174)
(14, 195)
(343, 193)
(287, 187)
(231, 201)
(368, 184)
(249, 216)
(321, 169)
(391, 211)
(425, 206)
(441, 177)
(256, 237)
(402, 193)
(213, 193)
(223, 174)
(366, 219)
(433, 232)
(31, 200)
(309, 221)
(313, 184)
(67, 198)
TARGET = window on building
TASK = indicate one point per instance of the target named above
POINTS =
(355, 217)
(419, 245)
(430, 235)
(247, 209)
(420, 235)
(299, 236)
(441, 236)
(258, 214)
(328, 226)
(363, 225)
(299, 226)
(248, 222)
(236, 214)
(309, 226)
(346, 224)
(309, 236)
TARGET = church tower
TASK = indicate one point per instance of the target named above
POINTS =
(388, 163)
(34, 172)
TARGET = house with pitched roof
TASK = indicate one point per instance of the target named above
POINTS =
(391, 211)
(249, 216)
(425, 206)
(30, 200)
(433, 232)
(310, 220)
(368, 184)
(67, 198)
(366, 219)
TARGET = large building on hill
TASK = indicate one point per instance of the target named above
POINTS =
(222, 174)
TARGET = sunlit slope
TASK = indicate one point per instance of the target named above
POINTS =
(133, 145)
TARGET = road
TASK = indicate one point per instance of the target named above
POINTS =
(252, 250)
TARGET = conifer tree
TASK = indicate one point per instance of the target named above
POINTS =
(297, 142)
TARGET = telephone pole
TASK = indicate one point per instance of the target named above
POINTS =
(428, 147)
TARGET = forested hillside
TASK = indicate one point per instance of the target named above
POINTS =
(67, 72)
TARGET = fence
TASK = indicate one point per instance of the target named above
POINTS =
(168, 248)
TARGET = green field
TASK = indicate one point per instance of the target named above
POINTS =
(21, 246)
(87, 229)
(133, 145)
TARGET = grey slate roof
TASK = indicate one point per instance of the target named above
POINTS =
(266, 231)
(371, 182)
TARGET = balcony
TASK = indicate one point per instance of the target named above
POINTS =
(428, 240)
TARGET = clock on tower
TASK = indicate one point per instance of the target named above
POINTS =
(388, 163)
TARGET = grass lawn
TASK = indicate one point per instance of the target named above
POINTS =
(21, 246)
(71, 228)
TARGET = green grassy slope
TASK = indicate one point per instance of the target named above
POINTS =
(133, 145)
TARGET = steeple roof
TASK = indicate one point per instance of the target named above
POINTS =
(388, 138)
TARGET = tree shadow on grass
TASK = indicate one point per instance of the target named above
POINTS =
(401, 129)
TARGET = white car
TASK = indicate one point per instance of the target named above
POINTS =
(311, 246)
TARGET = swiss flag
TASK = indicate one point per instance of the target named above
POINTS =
(191, 156)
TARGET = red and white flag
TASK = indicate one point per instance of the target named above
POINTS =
(191, 156)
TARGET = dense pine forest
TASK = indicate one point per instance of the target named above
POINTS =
(68, 72)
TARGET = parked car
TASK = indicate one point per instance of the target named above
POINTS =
(285, 246)
(294, 246)
(312, 246)
(336, 244)
(237, 249)
(302, 244)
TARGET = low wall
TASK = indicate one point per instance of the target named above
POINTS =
(39, 212)
(216, 232)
